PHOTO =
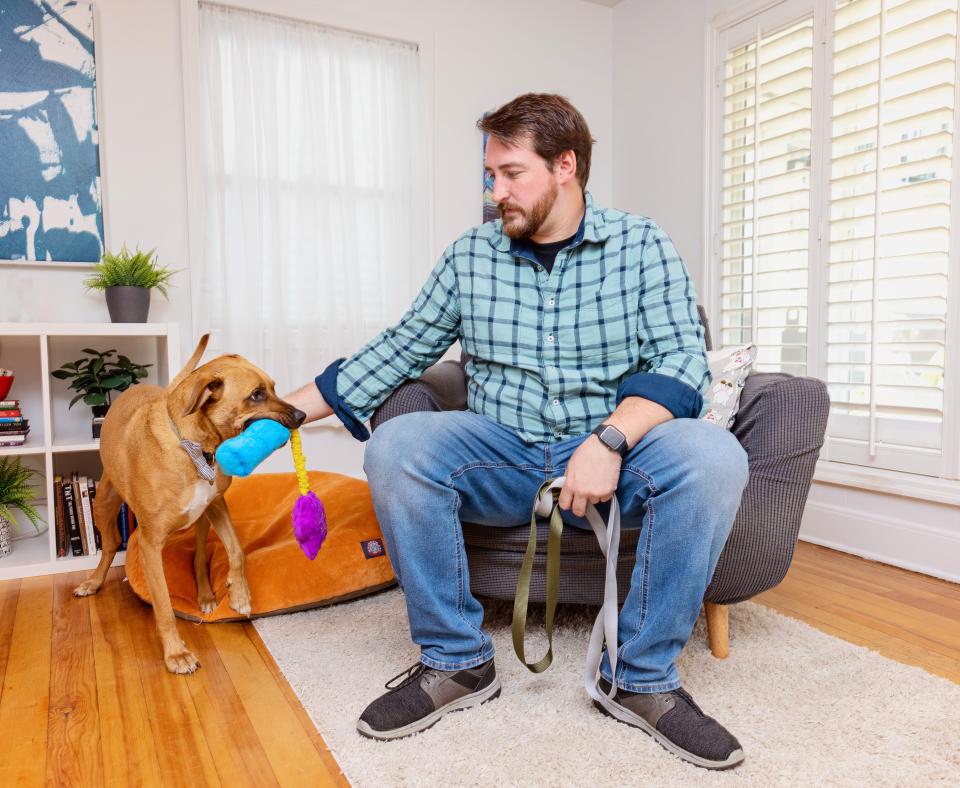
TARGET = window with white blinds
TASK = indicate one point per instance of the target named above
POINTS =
(840, 268)
(768, 108)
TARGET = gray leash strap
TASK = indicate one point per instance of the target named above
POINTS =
(605, 625)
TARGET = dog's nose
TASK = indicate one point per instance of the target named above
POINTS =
(299, 417)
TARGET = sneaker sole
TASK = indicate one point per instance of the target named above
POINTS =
(627, 717)
(467, 701)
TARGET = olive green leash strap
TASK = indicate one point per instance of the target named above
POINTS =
(553, 577)
(605, 626)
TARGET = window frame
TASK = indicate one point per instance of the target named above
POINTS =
(838, 464)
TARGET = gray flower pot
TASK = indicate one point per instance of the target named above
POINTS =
(128, 304)
(6, 537)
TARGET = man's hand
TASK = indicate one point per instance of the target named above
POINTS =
(592, 476)
(308, 399)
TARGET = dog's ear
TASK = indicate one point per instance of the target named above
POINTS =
(199, 392)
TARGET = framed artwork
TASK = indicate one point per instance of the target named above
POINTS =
(50, 188)
(490, 212)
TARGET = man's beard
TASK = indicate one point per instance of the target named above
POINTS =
(525, 225)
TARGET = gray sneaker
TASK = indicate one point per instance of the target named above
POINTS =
(677, 724)
(420, 696)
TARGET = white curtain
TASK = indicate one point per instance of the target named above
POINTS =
(315, 233)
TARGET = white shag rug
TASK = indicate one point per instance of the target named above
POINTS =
(808, 708)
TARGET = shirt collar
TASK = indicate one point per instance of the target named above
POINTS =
(593, 228)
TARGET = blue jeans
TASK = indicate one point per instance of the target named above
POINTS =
(681, 484)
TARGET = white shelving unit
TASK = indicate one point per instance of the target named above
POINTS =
(60, 437)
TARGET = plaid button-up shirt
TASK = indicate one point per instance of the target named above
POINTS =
(551, 354)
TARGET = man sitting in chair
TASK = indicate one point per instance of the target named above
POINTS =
(587, 360)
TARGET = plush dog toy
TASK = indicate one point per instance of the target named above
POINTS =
(240, 455)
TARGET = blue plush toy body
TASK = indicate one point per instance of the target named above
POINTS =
(239, 456)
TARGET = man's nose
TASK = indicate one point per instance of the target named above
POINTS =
(500, 191)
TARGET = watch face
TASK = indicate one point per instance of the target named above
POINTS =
(612, 437)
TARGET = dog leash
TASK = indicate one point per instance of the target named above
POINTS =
(605, 625)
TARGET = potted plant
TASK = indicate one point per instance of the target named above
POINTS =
(98, 376)
(127, 278)
(15, 493)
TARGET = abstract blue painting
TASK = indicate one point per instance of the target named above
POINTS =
(50, 198)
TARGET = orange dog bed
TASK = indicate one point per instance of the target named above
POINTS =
(351, 563)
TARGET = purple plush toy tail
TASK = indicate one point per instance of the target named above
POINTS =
(309, 523)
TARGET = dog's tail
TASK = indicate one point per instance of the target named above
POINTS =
(191, 363)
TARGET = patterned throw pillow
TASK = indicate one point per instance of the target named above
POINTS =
(729, 369)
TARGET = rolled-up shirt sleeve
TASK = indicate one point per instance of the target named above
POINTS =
(673, 371)
(354, 387)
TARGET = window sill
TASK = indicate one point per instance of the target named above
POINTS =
(925, 488)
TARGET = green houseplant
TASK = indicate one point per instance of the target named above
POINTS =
(16, 492)
(99, 375)
(126, 278)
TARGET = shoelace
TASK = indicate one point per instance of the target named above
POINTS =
(410, 674)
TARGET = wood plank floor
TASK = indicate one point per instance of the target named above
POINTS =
(912, 618)
(85, 699)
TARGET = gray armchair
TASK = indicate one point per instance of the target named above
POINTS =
(781, 425)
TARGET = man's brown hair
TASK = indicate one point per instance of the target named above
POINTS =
(552, 124)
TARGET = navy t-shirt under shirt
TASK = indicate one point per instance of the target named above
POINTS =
(547, 253)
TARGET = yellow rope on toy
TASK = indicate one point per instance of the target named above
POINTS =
(299, 463)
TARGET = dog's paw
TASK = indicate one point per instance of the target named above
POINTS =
(240, 598)
(207, 603)
(86, 588)
(182, 661)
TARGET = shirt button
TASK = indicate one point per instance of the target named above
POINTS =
(549, 337)
(550, 302)
(556, 402)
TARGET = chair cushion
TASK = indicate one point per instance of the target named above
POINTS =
(282, 579)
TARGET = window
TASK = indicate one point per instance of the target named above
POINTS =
(315, 233)
(833, 250)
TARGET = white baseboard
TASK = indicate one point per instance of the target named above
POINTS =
(928, 549)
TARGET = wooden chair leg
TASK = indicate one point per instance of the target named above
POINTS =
(718, 629)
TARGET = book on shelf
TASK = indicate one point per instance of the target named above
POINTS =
(71, 523)
(9, 404)
(11, 419)
(92, 493)
(15, 427)
(10, 413)
(13, 440)
(77, 504)
(126, 523)
(61, 531)
(93, 543)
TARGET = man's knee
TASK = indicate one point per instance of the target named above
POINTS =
(392, 443)
(711, 454)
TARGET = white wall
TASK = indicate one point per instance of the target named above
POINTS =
(660, 81)
(475, 57)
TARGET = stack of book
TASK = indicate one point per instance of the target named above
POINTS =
(76, 527)
(14, 428)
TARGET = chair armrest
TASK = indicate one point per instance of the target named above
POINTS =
(442, 387)
(781, 425)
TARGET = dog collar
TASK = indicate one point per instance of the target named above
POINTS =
(202, 461)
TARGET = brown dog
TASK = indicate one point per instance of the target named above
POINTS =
(145, 465)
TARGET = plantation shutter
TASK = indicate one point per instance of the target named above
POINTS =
(891, 143)
(765, 205)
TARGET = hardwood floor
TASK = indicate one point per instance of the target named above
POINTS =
(912, 618)
(86, 700)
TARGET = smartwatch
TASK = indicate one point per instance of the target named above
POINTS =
(612, 438)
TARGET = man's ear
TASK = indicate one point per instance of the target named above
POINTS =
(199, 392)
(565, 166)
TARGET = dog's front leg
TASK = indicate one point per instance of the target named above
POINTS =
(206, 600)
(237, 586)
(176, 655)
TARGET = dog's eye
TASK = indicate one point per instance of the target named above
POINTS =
(258, 396)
